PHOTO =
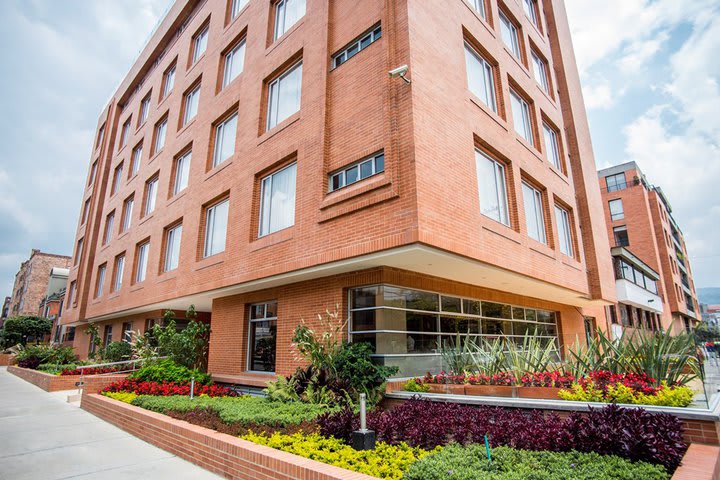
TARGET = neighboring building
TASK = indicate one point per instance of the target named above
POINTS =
(654, 279)
(5, 311)
(258, 162)
(51, 305)
(710, 314)
(34, 280)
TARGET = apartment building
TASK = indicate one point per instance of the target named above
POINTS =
(259, 163)
(33, 281)
(655, 288)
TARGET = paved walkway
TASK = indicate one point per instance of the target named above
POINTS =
(42, 437)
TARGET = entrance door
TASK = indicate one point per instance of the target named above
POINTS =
(262, 337)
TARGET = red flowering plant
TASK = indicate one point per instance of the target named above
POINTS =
(603, 379)
(90, 371)
(555, 379)
(166, 389)
(444, 378)
(499, 379)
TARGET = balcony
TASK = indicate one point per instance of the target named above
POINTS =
(631, 294)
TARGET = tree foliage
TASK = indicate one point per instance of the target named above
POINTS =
(23, 329)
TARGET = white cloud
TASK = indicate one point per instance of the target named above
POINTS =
(636, 55)
(598, 96)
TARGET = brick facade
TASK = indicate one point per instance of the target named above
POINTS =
(56, 383)
(31, 282)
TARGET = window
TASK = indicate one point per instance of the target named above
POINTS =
(125, 132)
(216, 220)
(534, 215)
(616, 209)
(119, 268)
(552, 146)
(200, 44)
(284, 95)
(128, 205)
(78, 251)
(135, 161)
(182, 173)
(492, 188)
(172, 248)
(127, 332)
(117, 176)
(287, 13)
(562, 217)
(358, 44)
(277, 200)
(100, 136)
(107, 335)
(192, 99)
(143, 250)
(234, 63)
(521, 117)
(225, 140)
(236, 6)
(479, 6)
(100, 280)
(357, 171)
(509, 33)
(93, 172)
(73, 291)
(160, 131)
(531, 10)
(616, 182)
(144, 109)
(86, 212)
(540, 70)
(150, 195)
(109, 220)
(480, 77)
(169, 80)
(621, 236)
(262, 337)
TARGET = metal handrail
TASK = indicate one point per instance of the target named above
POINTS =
(133, 363)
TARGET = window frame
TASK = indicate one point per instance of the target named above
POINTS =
(181, 170)
(151, 188)
(275, 85)
(79, 245)
(374, 34)
(135, 160)
(265, 318)
(480, 6)
(100, 281)
(277, 34)
(128, 206)
(556, 158)
(236, 6)
(125, 132)
(527, 117)
(173, 240)
(169, 79)
(109, 224)
(542, 69)
(618, 215)
(500, 173)
(374, 160)
(565, 230)
(200, 43)
(210, 234)
(488, 78)
(117, 178)
(219, 139)
(617, 186)
(192, 96)
(142, 253)
(532, 11)
(264, 207)
(118, 272)
(229, 57)
(514, 31)
(160, 133)
(619, 230)
(144, 112)
(538, 211)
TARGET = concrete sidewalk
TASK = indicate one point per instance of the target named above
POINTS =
(42, 437)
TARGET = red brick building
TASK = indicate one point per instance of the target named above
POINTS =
(655, 287)
(259, 162)
(33, 281)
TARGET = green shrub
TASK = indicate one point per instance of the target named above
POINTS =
(412, 385)
(117, 352)
(126, 397)
(386, 461)
(36, 355)
(56, 369)
(23, 329)
(354, 365)
(470, 463)
(244, 409)
(167, 370)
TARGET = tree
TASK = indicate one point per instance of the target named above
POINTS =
(95, 340)
(22, 329)
(188, 347)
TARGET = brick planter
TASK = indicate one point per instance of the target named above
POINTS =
(5, 359)
(220, 453)
(55, 383)
(701, 462)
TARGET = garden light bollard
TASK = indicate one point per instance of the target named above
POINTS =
(363, 439)
(192, 388)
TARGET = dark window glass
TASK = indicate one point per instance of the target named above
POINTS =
(412, 299)
(496, 327)
(365, 297)
(471, 307)
(263, 337)
(451, 304)
(417, 322)
(496, 310)
(364, 320)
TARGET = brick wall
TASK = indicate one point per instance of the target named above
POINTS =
(31, 282)
(701, 462)
(56, 383)
(223, 454)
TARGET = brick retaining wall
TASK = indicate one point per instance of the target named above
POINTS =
(701, 462)
(5, 359)
(220, 453)
(55, 383)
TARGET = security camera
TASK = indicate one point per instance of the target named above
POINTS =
(399, 72)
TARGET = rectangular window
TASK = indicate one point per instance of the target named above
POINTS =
(616, 209)
(192, 99)
(127, 213)
(284, 95)
(277, 200)
(540, 70)
(172, 248)
(73, 292)
(144, 109)
(100, 280)
(357, 171)
(107, 335)
(125, 132)
(510, 36)
(234, 63)
(127, 332)
(262, 337)
(480, 77)
(150, 195)
(236, 6)
(552, 146)
(216, 220)
(109, 220)
(160, 131)
(143, 250)
(534, 214)
(136, 157)
(615, 182)
(93, 172)
(287, 13)
(225, 133)
(522, 119)
(182, 173)
(479, 6)
(100, 136)
(562, 217)
(492, 188)
(200, 44)
(86, 212)
(119, 269)
(117, 176)
(361, 43)
(78, 251)
(531, 10)
(169, 80)
(621, 236)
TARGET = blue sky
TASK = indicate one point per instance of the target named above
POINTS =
(649, 70)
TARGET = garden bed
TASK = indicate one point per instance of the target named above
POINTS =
(56, 383)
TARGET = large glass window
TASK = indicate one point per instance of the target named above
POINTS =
(534, 213)
(225, 133)
(522, 119)
(234, 63)
(135, 162)
(143, 250)
(615, 182)
(540, 70)
(562, 217)
(144, 109)
(216, 220)
(200, 44)
(119, 269)
(117, 177)
(192, 100)
(127, 213)
(617, 212)
(277, 200)
(284, 96)
(168, 81)
(100, 283)
(480, 77)
(492, 188)
(262, 337)
(182, 173)
(172, 248)
(509, 34)
(287, 13)
(552, 145)
(151, 187)
(531, 10)
(109, 221)
(160, 132)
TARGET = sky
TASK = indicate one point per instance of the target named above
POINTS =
(650, 75)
